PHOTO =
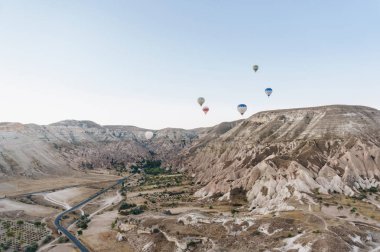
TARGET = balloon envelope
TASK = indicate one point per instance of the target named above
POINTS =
(149, 135)
(268, 91)
(205, 109)
(255, 68)
(201, 100)
(242, 108)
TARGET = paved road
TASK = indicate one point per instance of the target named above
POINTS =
(57, 221)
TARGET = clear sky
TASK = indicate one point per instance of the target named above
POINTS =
(145, 63)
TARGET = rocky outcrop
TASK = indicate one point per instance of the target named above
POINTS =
(272, 159)
(280, 156)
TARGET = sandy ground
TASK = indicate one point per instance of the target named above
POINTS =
(101, 237)
(32, 210)
(107, 202)
(67, 247)
(13, 187)
(67, 197)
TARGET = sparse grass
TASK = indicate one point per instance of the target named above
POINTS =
(366, 209)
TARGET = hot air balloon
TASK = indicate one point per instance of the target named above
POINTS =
(255, 68)
(201, 100)
(205, 109)
(149, 135)
(242, 108)
(268, 91)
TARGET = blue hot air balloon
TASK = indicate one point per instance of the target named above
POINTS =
(242, 108)
(268, 91)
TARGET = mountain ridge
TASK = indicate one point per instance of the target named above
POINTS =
(271, 158)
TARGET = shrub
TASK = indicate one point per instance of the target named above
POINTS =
(32, 248)
(63, 239)
(125, 206)
(144, 207)
(373, 189)
(5, 246)
(20, 222)
(167, 212)
(10, 233)
(234, 211)
(47, 239)
(83, 221)
(136, 211)
(256, 232)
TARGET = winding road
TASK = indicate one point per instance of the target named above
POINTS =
(57, 221)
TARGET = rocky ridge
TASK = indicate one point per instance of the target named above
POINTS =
(274, 159)
(277, 157)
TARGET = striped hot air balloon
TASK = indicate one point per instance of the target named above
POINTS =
(242, 108)
(268, 91)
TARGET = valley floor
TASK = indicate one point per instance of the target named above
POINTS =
(159, 213)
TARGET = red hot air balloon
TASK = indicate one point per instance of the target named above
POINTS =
(205, 109)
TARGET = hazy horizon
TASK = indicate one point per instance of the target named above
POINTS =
(145, 63)
(169, 126)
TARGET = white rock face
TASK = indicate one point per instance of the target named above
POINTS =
(126, 227)
(120, 237)
(279, 156)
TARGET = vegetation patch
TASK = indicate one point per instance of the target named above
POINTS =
(83, 221)
(131, 208)
(19, 235)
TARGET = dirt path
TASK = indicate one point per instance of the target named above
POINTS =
(109, 202)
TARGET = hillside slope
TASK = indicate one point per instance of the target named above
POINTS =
(72, 146)
(278, 157)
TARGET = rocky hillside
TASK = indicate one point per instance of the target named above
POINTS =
(279, 158)
(73, 146)
(273, 159)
